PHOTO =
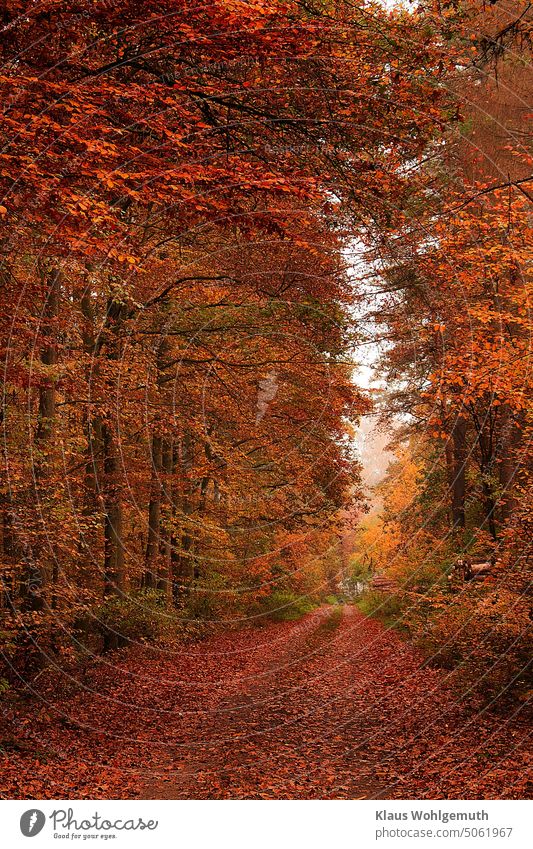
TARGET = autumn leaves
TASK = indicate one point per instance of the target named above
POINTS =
(178, 183)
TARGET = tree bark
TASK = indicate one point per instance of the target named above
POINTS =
(47, 391)
(89, 537)
(509, 441)
(112, 488)
(150, 579)
(167, 510)
(183, 541)
(38, 576)
(459, 473)
(487, 461)
(113, 541)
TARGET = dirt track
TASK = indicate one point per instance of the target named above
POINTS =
(333, 706)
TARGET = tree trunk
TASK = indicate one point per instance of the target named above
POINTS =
(165, 578)
(459, 473)
(8, 546)
(38, 579)
(47, 392)
(182, 569)
(157, 559)
(508, 444)
(113, 541)
(150, 579)
(487, 461)
(112, 487)
(89, 537)
(490, 508)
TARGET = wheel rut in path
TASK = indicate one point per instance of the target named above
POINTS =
(277, 737)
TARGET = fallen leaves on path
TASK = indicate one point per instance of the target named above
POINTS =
(333, 707)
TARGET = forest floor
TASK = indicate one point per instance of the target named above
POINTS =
(333, 706)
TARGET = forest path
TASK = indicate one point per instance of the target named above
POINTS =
(281, 733)
(332, 706)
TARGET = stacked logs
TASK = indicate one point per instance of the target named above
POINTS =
(473, 571)
(383, 584)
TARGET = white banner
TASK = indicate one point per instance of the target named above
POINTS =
(258, 824)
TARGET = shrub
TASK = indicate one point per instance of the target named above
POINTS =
(142, 615)
(285, 606)
(210, 599)
(484, 636)
(29, 639)
(382, 606)
(331, 599)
